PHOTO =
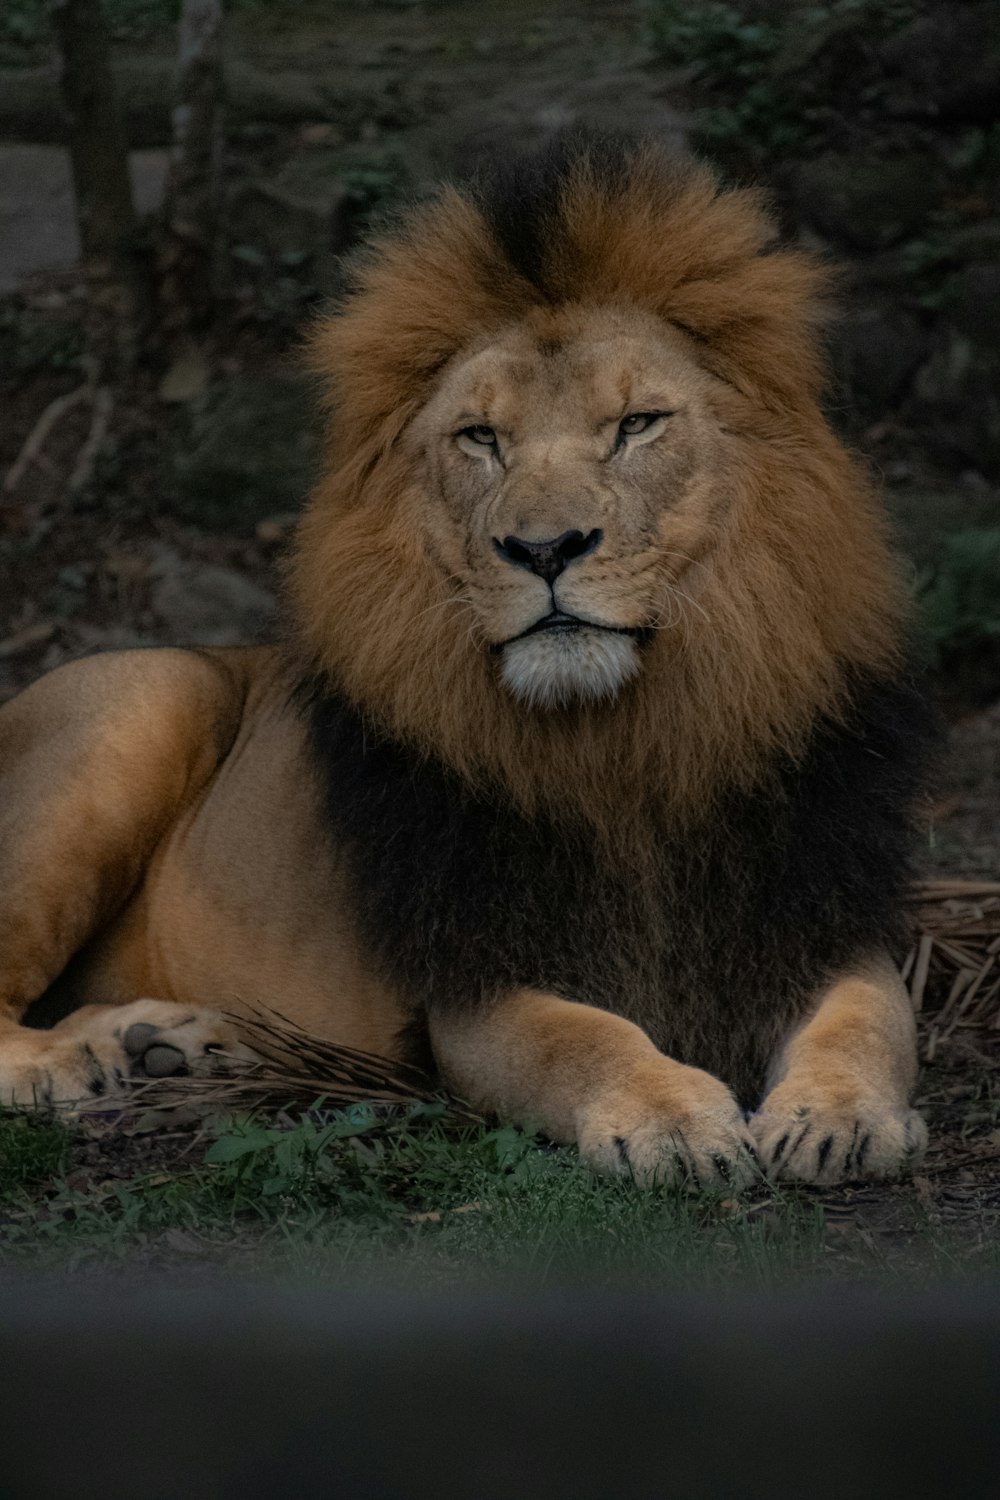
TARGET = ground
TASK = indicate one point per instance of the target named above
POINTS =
(156, 511)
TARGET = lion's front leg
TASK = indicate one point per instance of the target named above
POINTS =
(590, 1078)
(838, 1105)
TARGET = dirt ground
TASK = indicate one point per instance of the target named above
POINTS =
(158, 513)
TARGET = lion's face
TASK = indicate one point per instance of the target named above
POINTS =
(569, 474)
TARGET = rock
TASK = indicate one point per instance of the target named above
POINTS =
(869, 204)
(210, 606)
(246, 452)
(186, 378)
(288, 227)
(875, 351)
(38, 229)
(955, 402)
(31, 109)
(974, 303)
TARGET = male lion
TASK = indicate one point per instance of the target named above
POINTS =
(591, 756)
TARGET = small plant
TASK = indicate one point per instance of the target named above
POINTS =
(371, 188)
(713, 38)
(959, 599)
(33, 1148)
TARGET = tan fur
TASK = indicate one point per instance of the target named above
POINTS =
(845, 1077)
(161, 829)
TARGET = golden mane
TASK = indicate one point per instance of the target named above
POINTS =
(801, 593)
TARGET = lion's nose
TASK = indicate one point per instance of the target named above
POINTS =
(548, 559)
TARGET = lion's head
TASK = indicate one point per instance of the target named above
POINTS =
(584, 529)
(568, 454)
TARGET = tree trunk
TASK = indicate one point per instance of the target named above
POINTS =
(190, 252)
(99, 155)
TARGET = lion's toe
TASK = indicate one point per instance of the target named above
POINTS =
(685, 1128)
(826, 1141)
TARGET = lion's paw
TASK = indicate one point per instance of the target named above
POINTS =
(99, 1051)
(674, 1124)
(837, 1136)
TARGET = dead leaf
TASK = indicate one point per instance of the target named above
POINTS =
(183, 1242)
(186, 378)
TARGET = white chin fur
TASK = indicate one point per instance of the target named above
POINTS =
(559, 667)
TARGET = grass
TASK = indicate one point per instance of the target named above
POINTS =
(412, 1195)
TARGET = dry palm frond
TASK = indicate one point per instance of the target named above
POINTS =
(953, 968)
(295, 1069)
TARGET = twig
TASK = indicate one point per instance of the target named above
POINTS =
(103, 405)
(53, 413)
(971, 1158)
(920, 971)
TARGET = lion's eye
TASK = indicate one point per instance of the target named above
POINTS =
(638, 422)
(480, 434)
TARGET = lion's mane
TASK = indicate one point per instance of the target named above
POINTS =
(755, 781)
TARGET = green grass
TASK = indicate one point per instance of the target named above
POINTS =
(33, 1148)
(411, 1196)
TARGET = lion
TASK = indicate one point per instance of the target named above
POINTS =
(588, 762)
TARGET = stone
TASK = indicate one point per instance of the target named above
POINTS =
(955, 402)
(201, 604)
(247, 452)
(974, 304)
(874, 352)
(290, 227)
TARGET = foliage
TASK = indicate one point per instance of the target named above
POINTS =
(33, 1147)
(408, 1192)
(721, 47)
(761, 70)
(417, 1196)
(959, 599)
(25, 24)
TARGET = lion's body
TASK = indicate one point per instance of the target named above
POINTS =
(239, 897)
(596, 694)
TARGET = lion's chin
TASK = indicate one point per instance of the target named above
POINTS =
(559, 667)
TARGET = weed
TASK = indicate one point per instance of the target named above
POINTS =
(761, 72)
(373, 188)
(959, 599)
(33, 1147)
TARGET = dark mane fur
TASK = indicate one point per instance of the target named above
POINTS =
(519, 196)
(462, 898)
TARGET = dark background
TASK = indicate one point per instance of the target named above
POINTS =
(874, 123)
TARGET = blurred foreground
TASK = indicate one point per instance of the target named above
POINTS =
(227, 1392)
